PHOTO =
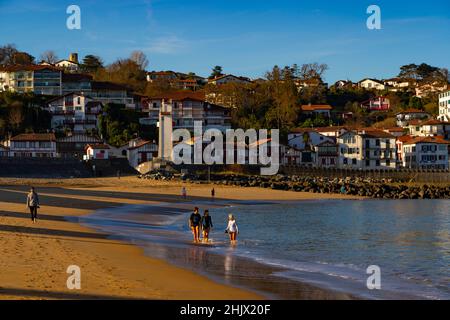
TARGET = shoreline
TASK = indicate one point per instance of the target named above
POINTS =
(36, 256)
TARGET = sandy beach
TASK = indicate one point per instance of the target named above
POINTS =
(35, 257)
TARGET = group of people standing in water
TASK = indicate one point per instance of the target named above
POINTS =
(204, 224)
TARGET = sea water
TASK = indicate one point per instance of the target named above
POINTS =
(325, 243)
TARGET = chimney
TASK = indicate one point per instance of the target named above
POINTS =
(73, 57)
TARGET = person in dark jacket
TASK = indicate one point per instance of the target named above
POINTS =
(33, 204)
(206, 225)
(194, 224)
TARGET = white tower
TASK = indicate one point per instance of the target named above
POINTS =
(165, 131)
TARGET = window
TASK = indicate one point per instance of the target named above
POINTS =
(388, 163)
(367, 163)
(377, 142)
(378, 163)
(354, 161)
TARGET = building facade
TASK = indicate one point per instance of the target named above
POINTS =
(33, 145)
(425, 153)
(367, 150)
(444, 106)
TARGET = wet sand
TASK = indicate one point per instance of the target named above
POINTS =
(35, 257)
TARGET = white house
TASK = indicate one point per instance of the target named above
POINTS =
(306, 138)
(71, 64)
(33, 145)
(97, 152)
(367, 149)
(229, 78)
(74, 111)
(425, 153)
(140, 151)
(444, 106)
(429, 128)
(377, 104)
(369, 84)
(398, 84)
(185, 108)
(405, 116)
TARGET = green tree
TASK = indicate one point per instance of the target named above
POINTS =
(217, 71)
(91, 63)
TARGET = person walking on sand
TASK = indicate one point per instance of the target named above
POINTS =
(232, 228)
(184, 193)
(207, 225)
(194, 224)
(33, 204)
(213, 193)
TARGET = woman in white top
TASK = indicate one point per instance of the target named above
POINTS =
(232, 228)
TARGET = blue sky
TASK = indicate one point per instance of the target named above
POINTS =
(246, 37)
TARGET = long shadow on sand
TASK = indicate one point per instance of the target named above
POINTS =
(15, 292)
(18, 215)
(14, 194)
(51, 232)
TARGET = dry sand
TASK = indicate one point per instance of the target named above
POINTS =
(34, 257)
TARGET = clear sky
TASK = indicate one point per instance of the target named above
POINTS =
(246, 37)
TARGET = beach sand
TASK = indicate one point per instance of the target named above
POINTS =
(34, 257)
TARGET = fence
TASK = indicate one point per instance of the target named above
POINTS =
(401, 175)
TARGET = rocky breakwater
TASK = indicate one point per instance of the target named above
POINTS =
(368, 187)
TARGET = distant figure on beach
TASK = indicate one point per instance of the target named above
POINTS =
(194, 224)
(33, 204)
(232, 228)
(213, 193)
(184, 193)
(343, 189)
(118, 174)
(207, 225)
(94, 173)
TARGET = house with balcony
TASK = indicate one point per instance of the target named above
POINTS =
(75, 112)
(108, 92)
(425, 153)
(405, 116)
(377, 104)
(317, 110)
(187, 107)
(33, 145)
(429, 128)
(444, 106)
(367, 149)
(76, 82)
(38, 79)
(327, 154)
